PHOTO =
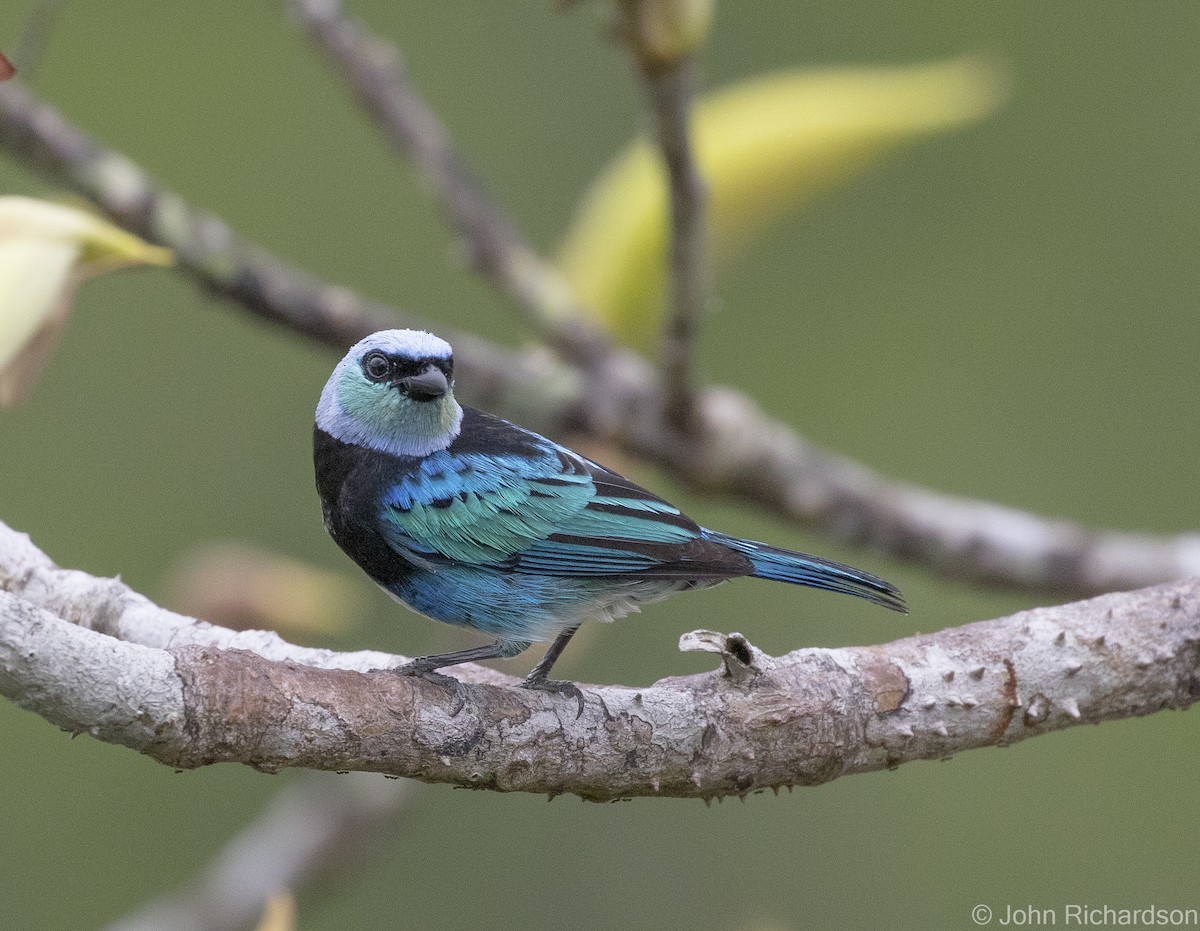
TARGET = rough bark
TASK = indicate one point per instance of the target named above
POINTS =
(92, 656)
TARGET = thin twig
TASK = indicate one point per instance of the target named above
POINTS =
(374, 70)
(734, 450)
(801, 719)
(318, 825)
(670, 89)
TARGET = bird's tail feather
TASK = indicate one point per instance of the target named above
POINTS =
(771, 562)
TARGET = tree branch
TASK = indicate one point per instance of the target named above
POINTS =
(205, 247)
(316, 825)
(735, 449)
(374, 69)
(670, 90)
(801, 719)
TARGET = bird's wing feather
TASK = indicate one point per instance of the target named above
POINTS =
(554, 513)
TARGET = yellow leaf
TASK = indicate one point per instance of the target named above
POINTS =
(279, 913)
(45, 251)
(766, 147)
(33, 277)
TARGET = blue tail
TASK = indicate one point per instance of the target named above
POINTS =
(771, 562)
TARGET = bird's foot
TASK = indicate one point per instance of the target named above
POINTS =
(417, 670)
(558, 686)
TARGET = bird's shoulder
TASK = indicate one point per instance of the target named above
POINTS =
(507, 447)
(487, 434)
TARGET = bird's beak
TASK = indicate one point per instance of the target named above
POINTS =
(430, 385)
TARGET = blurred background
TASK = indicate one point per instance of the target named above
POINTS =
(1006, 311)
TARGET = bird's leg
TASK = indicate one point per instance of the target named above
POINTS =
(501, 649)
(537, 678)
(425, 667)
(539, 672)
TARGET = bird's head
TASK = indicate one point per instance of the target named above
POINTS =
(393, 392)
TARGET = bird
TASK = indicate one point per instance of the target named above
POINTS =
(472, 520)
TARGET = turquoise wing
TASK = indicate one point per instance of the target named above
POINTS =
(555, 514)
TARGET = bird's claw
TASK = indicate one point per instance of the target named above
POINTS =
(457, 688)
(558, 686)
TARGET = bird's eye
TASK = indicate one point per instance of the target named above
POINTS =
(376, 366)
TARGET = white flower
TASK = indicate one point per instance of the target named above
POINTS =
(46, 250)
